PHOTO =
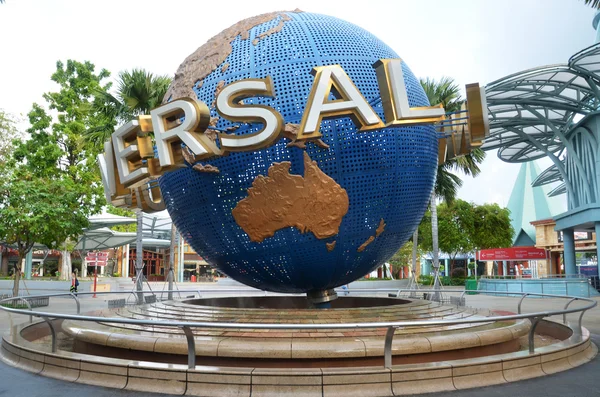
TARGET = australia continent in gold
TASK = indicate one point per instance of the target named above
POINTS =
(311, 203)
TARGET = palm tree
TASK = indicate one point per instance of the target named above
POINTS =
(447, 183)
(138, 92)
(592, 3)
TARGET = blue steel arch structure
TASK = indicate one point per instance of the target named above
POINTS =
(552, 111)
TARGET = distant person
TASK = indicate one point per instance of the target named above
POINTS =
(74, 283)
(345, 290)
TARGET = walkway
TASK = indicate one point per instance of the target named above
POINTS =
(578, 382)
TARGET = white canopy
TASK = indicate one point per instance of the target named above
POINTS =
(156, 232)
(108, 220)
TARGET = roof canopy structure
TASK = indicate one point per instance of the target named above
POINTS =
(99, 236)
(103, 238)
(553, 111)
(108, 220)
(540, 112)
(535, 106)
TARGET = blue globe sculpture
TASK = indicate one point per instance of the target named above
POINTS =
(388, 174)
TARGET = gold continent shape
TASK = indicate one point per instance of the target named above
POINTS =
(311, 203)
(214, 52)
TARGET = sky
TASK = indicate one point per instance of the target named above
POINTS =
(470, 41)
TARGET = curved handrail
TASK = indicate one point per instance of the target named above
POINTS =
(390, 325)
(120, 320)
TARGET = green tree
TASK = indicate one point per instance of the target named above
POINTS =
(456, 228)
(56, 149)
(9, 133)
(38, 210)
(447, 92)
(491, 227)
(56, 146)
(402, 258)
(122, 212)
(464, 227)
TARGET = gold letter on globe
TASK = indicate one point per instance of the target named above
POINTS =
(349, 102)
(394, 98)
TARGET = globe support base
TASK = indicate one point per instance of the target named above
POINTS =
(320, 299)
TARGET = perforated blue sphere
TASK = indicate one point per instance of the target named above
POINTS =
(387, 173)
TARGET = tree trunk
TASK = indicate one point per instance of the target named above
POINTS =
(434, 238)
(18, 268)
(65, 269)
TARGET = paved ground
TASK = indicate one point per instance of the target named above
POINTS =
(578, 382)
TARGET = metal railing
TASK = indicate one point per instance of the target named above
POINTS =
(391, 326)
(578, 286)
(529, 277)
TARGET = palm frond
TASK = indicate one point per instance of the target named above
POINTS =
(447, 92)
(593, 3)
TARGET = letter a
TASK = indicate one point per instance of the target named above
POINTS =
(349, 102)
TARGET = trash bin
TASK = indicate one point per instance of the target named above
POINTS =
(193, 278)
(471, 285)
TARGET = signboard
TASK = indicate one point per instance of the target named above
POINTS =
(588, 271)
(96, 258)
(97, 263)
(511, 254)
(578, 236)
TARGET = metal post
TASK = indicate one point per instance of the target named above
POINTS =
(435, 257)
(534, 324)
(29, 264)
(125, 269)
(597, 229)
(139, 257)
(95, 277)
(520, 301)
(76, 301)
(387, 349)
(170, 275)
(52, 331)
(566, 306)
(413, 280)
(580, 320)
(29, 307)
(569, 251)
(191, 347)
(180, 269)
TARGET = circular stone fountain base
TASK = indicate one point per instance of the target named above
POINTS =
(320, 362)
